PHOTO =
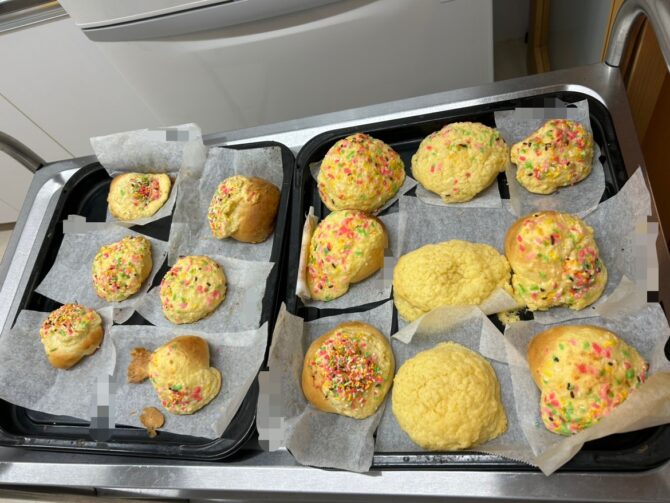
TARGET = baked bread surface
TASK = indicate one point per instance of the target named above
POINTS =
(449, 273)
(555, 261)
(69, 333)
(460, 160)
(360, 172)
(346, 247)
(138, 195)
(448, 398)
(192, 289)
(348, 370)
(120, 268)
(583, 372)
(560, 153)
(244, 208)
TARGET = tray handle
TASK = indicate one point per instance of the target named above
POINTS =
(19, 152)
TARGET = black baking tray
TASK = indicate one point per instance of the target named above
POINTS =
(86, 194)
(635, 451)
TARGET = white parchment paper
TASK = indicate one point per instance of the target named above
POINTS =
(70, 278)
(190, 233)
(28, 380)
(237, 355)
(240, 310)
(314, 437)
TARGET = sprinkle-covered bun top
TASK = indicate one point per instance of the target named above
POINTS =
(560, 153)
(555, 261)
(360, 173)
(136, 195)
(583, 372)
(67, 326)
(120, 268)
(347, 246)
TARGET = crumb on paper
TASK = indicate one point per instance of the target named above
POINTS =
(509, 317)
(151, 419)
(138, 368)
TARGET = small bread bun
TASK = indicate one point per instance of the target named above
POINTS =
(583, 372)
(120, 268)
(346, 247)
(460, 160)
(137, 195)
(448, 398)
(69, 333)
(348, 370)
(555, 261)
(244, 208)
(180, 374)
(360, 172)
(192, 289)
(560, 153)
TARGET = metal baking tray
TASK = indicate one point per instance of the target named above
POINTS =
(635, 451)
(86, 194)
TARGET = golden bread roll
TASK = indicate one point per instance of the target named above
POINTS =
(346, 247)
(120, 268)
(137, 195)
(560, 153)
(192, 289)
(360, 173)
(449, 273)
(460, 160)
(348, 370)
(244, 208)
(448, 398)
(555, 261)
(69, 333)
(583, 372)
(179, 372)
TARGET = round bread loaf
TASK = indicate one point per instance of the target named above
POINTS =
(449, 273)
(192, 289)
(555, 261)
(346, 247)
(460, 160)
(348, 370)
(69, 333)
(137, 195)
(560, 153)
(583, 372)
(120, 268)
(360, 173)
(243, 208)
(448, 398)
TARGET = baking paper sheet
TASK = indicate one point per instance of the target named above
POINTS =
(240, 310)
(190, 233)
(579, 199)
(28, 380)
(465, 325)
(314, 437)
(238, 356)
(649, 405)
(70, 279)
(488, 198)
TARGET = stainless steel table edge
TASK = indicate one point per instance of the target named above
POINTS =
(265, 474)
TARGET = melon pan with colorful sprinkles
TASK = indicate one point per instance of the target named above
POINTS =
(137, 195)
(120, 268)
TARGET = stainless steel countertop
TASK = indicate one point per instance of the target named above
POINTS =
(275, 475)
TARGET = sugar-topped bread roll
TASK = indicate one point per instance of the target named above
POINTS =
(192, 289)
(348, 370)
(460, 160)
(244, 208)
(120, 268)
(555, 261)
(560, 153)
(137, 195)
(179, 372)
(360, 172)
(449, 273)
(346, 247)
(448, 398)
(583, 372)
(69, 333)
